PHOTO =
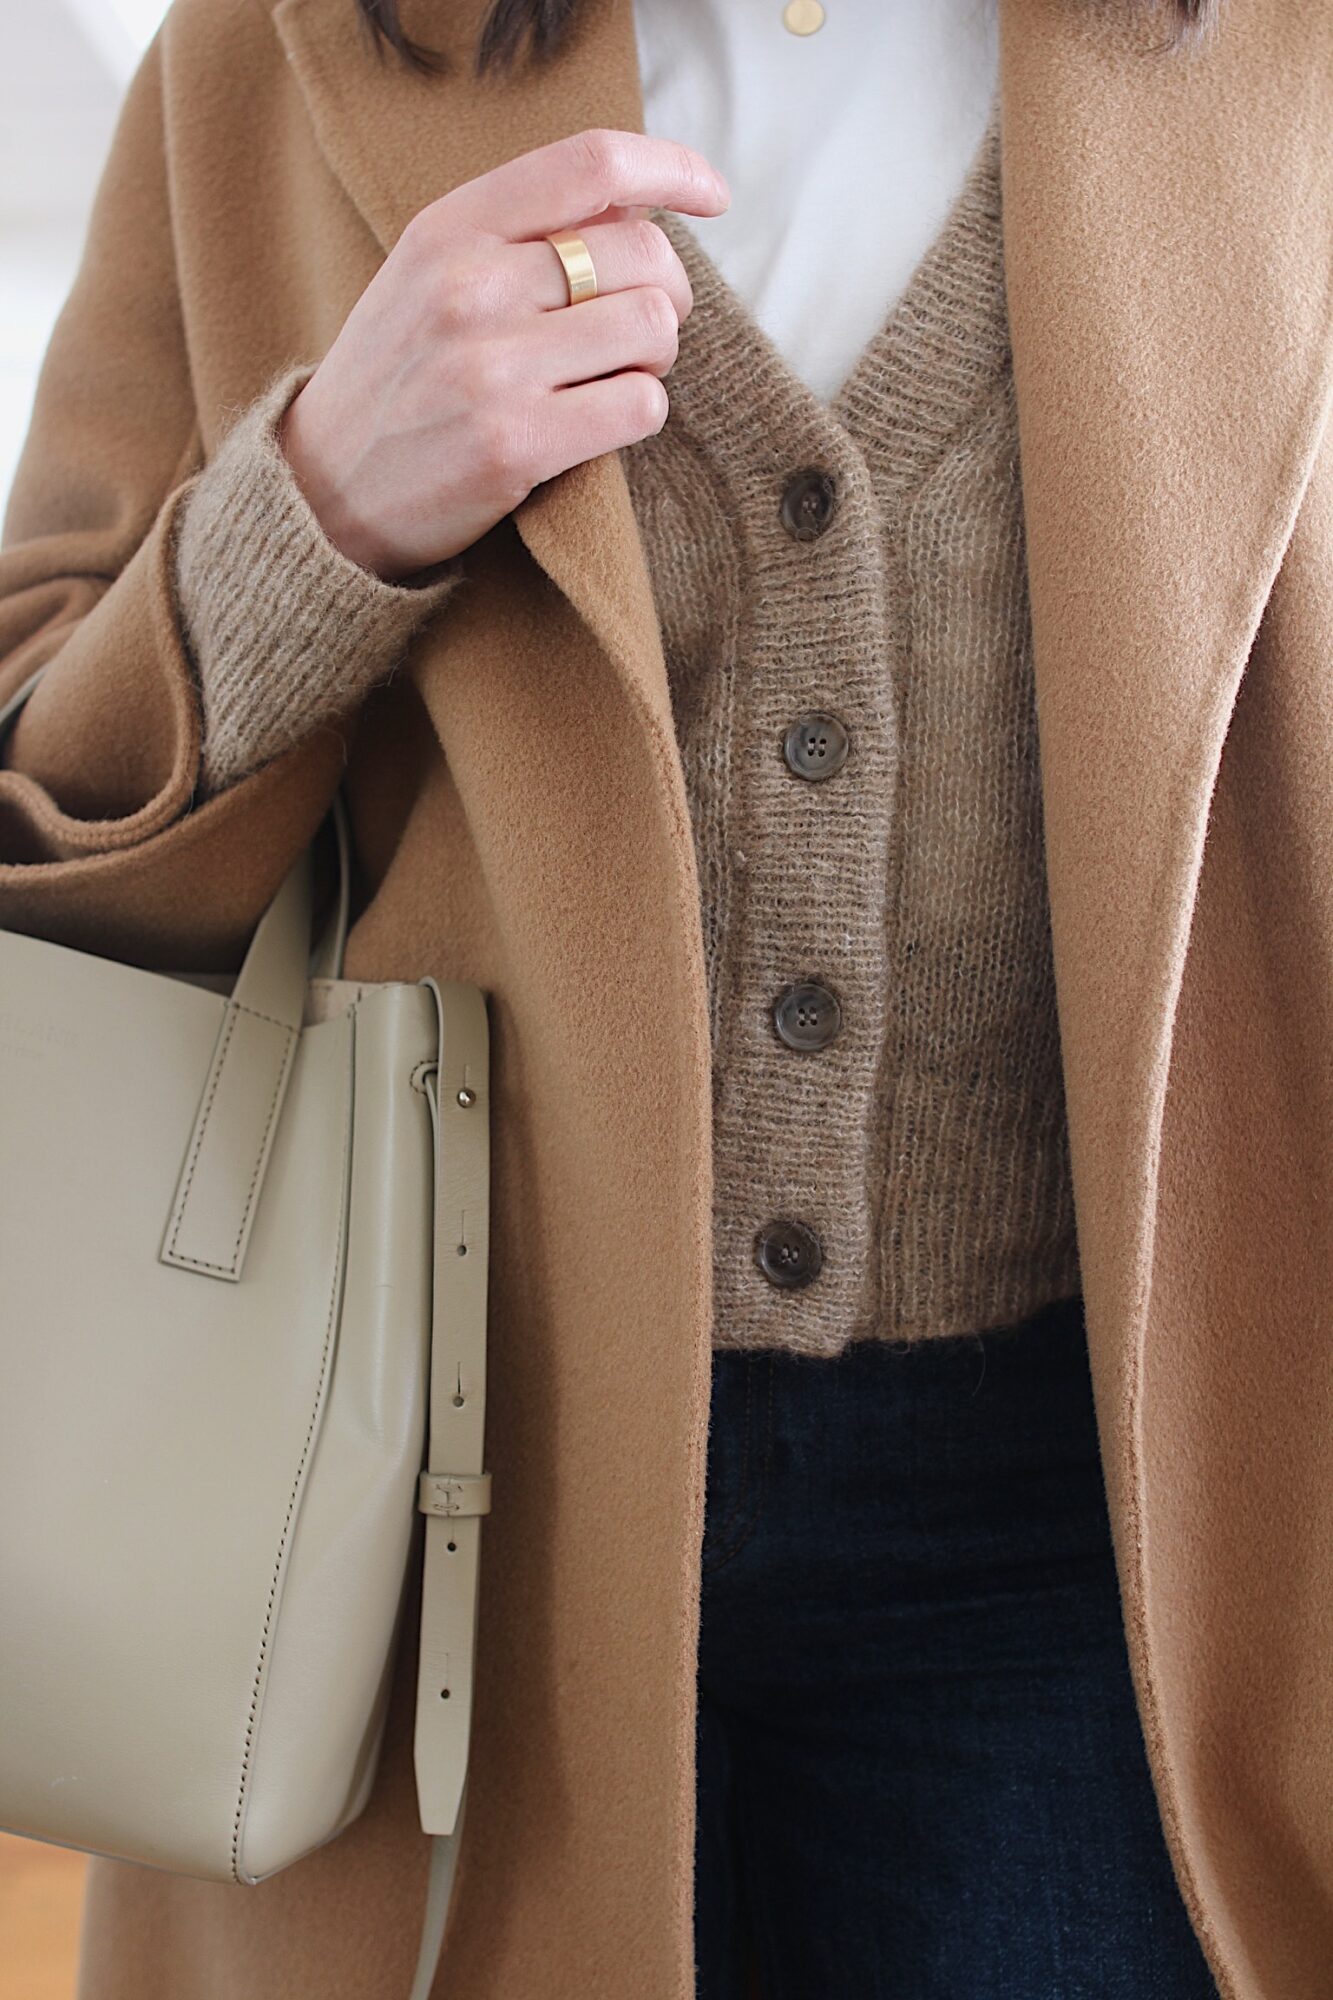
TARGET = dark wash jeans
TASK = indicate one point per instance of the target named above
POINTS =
(921, 1770)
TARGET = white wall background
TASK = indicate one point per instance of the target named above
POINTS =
(63, 67)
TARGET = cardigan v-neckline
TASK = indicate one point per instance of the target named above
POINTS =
(929, 362)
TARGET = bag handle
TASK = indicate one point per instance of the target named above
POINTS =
(221, 1179)
(9, 710)
(326, 961)
(222, 1175)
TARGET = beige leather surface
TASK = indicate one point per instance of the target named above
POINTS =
(240, 1106)
(154, 1434)
(460, 1097)
(208, 1490)
(322, 1698)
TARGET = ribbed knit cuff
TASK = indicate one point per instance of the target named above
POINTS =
(286, 632)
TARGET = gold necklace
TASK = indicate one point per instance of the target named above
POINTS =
(802, 17)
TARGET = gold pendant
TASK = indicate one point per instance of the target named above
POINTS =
(802, 17)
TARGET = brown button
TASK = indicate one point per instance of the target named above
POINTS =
(788, 1253)
(807, 1015)
(808, 501)
(816, 745)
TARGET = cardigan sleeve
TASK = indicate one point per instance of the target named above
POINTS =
(105, 842)
(285, 632)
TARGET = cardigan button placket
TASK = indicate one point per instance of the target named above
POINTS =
(857, 568)
(806, 1015)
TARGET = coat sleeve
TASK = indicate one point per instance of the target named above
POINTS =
(105, 844)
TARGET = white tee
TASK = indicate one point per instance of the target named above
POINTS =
(843, 150)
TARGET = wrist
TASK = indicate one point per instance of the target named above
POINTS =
(298, 442)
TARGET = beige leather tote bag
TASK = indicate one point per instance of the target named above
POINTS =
(243, 1254)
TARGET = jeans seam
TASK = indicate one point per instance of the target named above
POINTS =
(765, 1462)
(742, 1480)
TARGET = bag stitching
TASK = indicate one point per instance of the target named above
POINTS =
(288, 1049)
(235, 1008)
(219, 1065)
(240, 1007)
(291, 1505)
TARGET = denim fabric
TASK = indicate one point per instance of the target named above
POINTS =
(921, 1770)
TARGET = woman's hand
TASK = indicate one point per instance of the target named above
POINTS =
(462, 378)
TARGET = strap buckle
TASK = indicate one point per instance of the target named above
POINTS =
(454, 1493)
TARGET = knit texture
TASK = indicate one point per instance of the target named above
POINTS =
(285, 632)
(926, 1144)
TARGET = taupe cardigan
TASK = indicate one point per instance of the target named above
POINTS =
(521, 819)
(923, 1146)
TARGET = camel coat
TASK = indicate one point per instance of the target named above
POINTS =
(521, 821)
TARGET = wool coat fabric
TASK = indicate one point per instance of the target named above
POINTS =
(520, 821)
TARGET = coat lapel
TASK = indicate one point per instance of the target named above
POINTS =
(1169, 265)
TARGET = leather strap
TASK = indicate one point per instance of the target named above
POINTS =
(327, 958)
(439, 1890)
(222, 1175)
(453, 1493)
(459, 1098)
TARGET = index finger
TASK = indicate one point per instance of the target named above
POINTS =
(573, 179)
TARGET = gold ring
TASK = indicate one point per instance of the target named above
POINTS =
(576, 259)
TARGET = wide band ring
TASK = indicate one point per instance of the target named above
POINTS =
(576, 259)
